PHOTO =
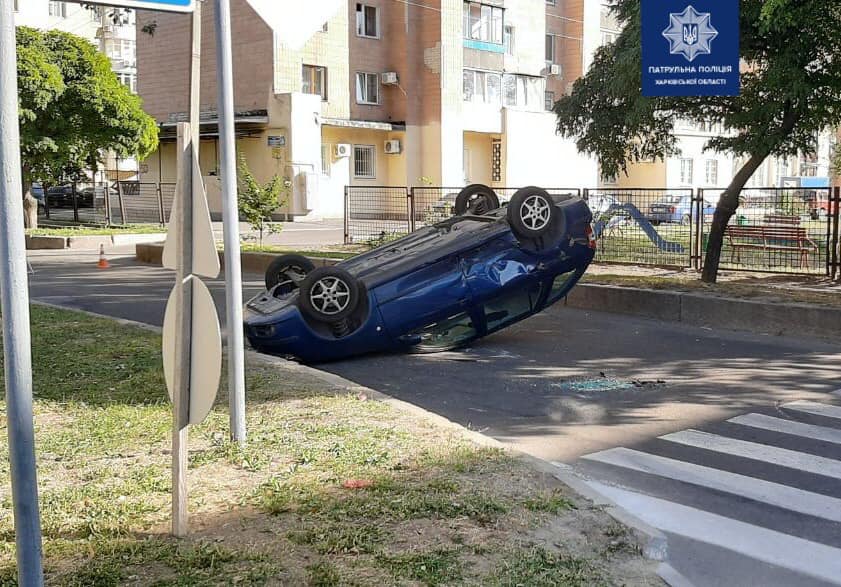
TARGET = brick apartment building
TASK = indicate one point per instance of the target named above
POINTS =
(388, 92)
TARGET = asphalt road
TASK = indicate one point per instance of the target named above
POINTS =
(695, 431)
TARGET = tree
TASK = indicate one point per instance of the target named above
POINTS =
(73, 108)
(258, 202)
(791, 90)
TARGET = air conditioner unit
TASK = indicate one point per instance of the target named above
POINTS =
(554, 69)
(392, 147)
(389, 78)
(342, 150)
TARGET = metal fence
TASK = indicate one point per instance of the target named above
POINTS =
(776, 230)
(116, 203)
(377, 214)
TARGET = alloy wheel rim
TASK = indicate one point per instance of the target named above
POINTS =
(535, 212)
(330, 295)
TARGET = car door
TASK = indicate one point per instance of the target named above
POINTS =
(424, 296)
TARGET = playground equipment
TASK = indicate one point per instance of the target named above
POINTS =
(607, 220)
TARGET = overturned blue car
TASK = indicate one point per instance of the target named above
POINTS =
(436, 289)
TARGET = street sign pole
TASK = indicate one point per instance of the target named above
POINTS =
(14, 302)
(230, 220)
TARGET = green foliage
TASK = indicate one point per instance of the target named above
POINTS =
(257, 202)
(791, 90)
(72, 107)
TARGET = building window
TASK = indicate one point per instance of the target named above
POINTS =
(508, 39)
(363, 162)
(609, 37)
(711, 172)
(609, 179)
(550, 48)
(367, 88)
(325, 159)
(523, 90)
(686, 171)
(58, 9)
(314, 80)
(483, 87)
(367, 21)
(549, 100)
(129, 80)
(483, 22)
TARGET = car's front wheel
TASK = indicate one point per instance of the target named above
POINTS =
(330, 295)
(287, 271)
(475, 199)
(531, 212)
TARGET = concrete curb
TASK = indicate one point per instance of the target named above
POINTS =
(251, 261)
(763, 317)
(91, 242)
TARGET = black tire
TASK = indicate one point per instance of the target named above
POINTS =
(475, 199)
(330, 295)
(288, 269)
(532, 212)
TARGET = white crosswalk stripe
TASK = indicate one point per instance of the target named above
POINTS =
(706, 503)
(783, 496)
(789, 427)
(759, 452)
(815, 408)
(796, 554)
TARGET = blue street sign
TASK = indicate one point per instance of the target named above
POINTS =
(164, 5)
(690, 47)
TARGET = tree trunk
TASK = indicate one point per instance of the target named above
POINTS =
(725, 209)
(30, 204)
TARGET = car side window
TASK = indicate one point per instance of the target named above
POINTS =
(509, 306)
(559, 286)
(448, 332)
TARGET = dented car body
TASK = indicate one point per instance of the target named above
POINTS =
(441, 287)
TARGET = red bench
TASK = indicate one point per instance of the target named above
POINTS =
(770, 237)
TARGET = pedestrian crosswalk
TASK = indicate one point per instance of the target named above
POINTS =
(752, 500)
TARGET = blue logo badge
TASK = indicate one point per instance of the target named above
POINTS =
(690, 33)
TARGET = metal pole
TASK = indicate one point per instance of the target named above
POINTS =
(14, 301)
(230, 220)
(183, 335)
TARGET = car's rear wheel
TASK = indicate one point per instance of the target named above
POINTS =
(531, 212)
(287, 271)
(475, 199)
(330, 295)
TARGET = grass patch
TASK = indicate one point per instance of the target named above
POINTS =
(552, 503)
(538, 567)
(70, 231)
(274, 511)
(435, 567)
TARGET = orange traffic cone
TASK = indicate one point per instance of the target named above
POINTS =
(103, 262)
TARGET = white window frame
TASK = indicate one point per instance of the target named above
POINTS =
(326, 159)
(57, 9)
(373, 151)
(509, 39)
(488, 27)
(318, 70)
(362, 21)
(481, 81)
(691, 167)
(711, 172)
(362, 98)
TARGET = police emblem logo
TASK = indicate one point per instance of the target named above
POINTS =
(690, 33)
